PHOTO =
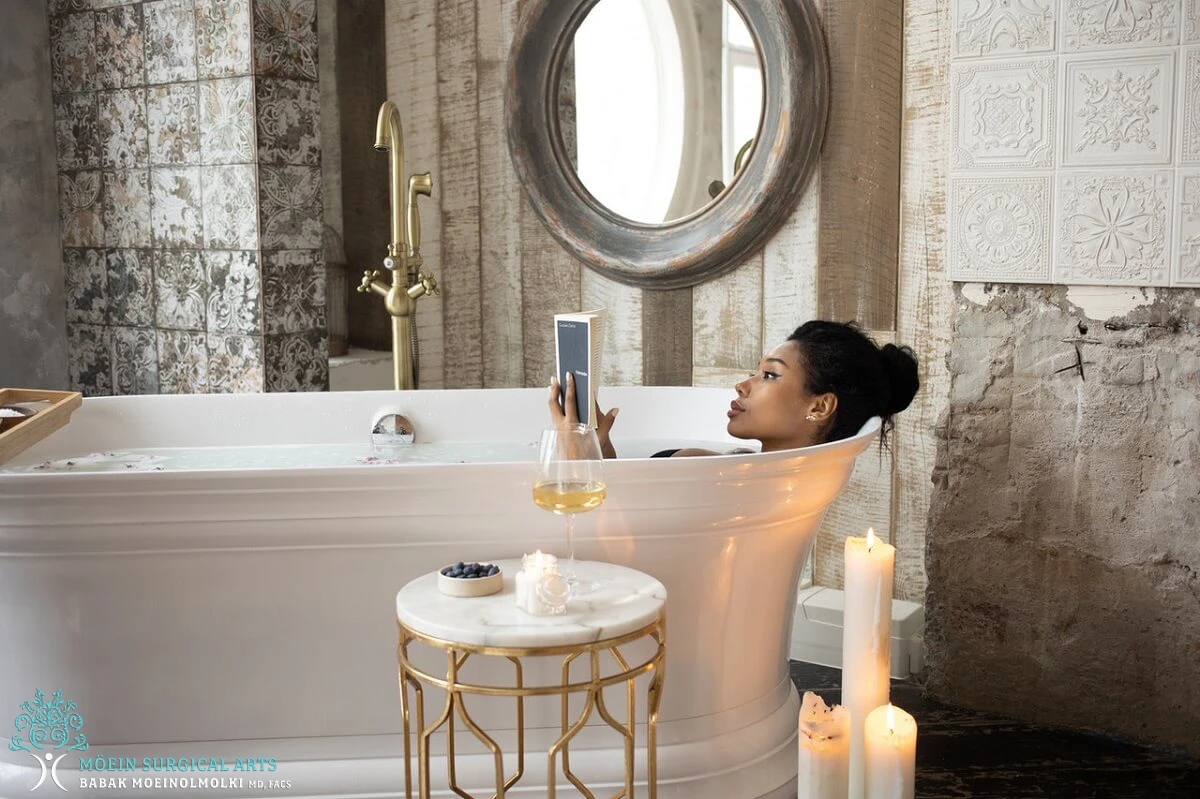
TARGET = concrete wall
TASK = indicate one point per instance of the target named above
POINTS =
(33, 342)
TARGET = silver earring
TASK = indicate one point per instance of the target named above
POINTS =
(810, 418)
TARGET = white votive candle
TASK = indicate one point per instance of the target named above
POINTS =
(891, 753)
(533, 568)
(866, 640)
(824, 749)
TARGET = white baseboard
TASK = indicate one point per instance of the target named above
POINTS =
(817, 631)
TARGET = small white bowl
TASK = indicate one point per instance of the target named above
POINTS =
(475, 586)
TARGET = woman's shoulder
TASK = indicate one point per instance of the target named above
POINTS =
(688, 452)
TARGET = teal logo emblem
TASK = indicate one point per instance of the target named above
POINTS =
(48, 724)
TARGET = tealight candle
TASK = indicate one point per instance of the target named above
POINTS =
(534, 568)
(824, 749)
(890, 744)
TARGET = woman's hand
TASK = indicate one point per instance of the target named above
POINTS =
(565, 413)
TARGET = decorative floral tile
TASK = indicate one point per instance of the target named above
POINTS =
(182, 362)
(130, 288)
(996, 27)
(289, 130)
(235, 364)
(285, 38)
(230, 218)
(171, 122)
(175, 217)
(67, 6)
(80, 209)
(1000, 229)
(85, 279)
(227, 121)
(290, 207)
(135, 360)
(1003, 114)
(1113, 228)
(293, 291)
(1118, 111)
(297, 362)
(120, 40)
(77, 131)
(1191, 21)
(223, 38)
(89, 359)
(73, 52)
(1185, 270)
(170, 48)
(233, 291)
(123, 128)
(1189, 107)
(1089, 24)
(127, 208)
(180, 290)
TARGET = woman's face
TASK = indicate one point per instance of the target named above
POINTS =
(773, 403)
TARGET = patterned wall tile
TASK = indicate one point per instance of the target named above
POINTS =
(1113, 228)
(120, 40)
(77, 131)
(297, 362)
(171, 124)
(89, 367)
(67, 6)
(230, 215)
(288, 114)
(1118, 111)
(180, 290)
(123, 128)
(170, 48)
(223, 38)
(182, 362)
(234, 296)
(1189, 106)
(290, 207)
(1003, 113)
(285, 38)
(135, 360)
(1000, 228)
(73, 52)
(1090, 24)
(995, 27)
(293, 291)
(130, 288)
(235, 364)
(175, 216)
(227, 121)
(1191, 21)
(86, 280)
(81, 209)
(127, 208)
(1185, 269)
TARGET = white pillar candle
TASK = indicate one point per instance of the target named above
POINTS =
(824, 749)
(891, 753)
(866, 640)
(533, 568)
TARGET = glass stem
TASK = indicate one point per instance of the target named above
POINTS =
(570, 546)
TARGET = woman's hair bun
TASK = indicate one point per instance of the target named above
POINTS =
(901, 369)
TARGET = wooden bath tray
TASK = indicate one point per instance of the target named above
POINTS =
(32, 429)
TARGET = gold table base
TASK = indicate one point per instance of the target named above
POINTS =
(457, 655)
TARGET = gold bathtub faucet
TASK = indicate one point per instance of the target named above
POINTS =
(404, 250)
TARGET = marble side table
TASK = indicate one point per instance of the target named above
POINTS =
(627, 606)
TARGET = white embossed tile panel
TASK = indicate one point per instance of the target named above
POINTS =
(999, 229)
(1186, 265)
(998, 27)
(1003, 113)
(1113, 228)
(1118, 111)
(1189, 106)
(1191, 20)
(1094, 24)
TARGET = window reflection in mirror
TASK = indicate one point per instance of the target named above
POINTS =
(656, 100)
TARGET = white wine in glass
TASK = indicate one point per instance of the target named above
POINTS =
(570, 480)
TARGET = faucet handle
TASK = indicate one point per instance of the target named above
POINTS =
(417, 185)
(429, 282)
(369, 277)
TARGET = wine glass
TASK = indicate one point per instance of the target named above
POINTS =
(570, 480)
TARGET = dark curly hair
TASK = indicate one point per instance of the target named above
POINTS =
(868, 380)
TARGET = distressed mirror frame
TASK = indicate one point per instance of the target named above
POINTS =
(715, 239)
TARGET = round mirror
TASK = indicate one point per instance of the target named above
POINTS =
(663, 141)
(666, 91)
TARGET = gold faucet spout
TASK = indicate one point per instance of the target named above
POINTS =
(389, 136)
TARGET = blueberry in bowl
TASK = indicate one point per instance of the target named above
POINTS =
(470, 579)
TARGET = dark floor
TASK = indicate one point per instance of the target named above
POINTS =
(964, 754)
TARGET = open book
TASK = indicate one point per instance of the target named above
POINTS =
(578, 347)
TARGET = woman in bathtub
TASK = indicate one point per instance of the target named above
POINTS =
(822, 384)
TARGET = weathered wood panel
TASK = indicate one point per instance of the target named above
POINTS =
(550, 284)
(622, 329)
(667, 338)
(727, 325)
(790, 270)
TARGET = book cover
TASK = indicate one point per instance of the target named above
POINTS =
(578, 342)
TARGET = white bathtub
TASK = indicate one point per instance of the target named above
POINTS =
(249, 612)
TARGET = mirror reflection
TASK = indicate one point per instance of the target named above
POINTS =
(659, 104)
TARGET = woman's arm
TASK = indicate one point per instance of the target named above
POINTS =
(604, 421)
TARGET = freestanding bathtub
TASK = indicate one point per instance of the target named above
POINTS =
(218, 579)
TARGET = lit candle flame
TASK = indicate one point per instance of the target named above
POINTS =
(870, 538)
(891, 720)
